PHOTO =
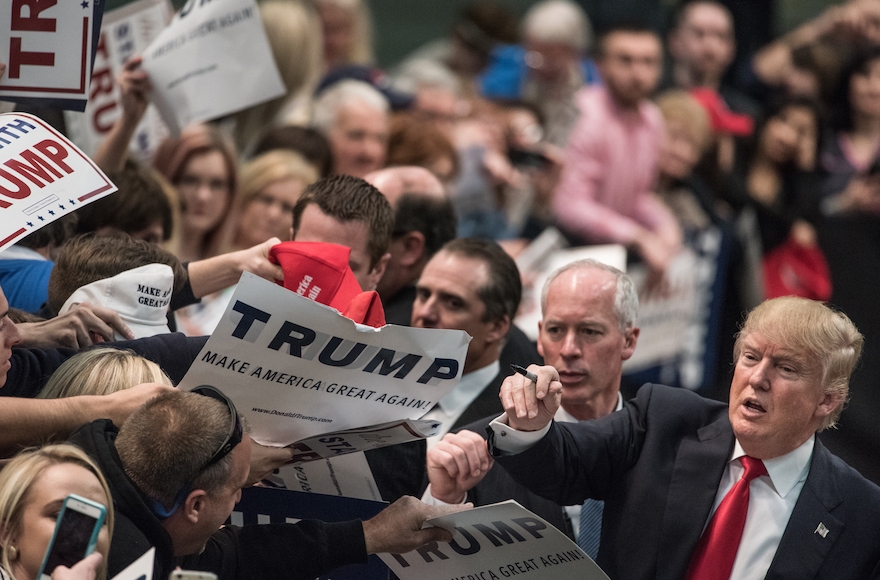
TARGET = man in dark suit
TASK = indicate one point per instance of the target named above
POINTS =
(587, 331)
(773, 502)
(472, 285)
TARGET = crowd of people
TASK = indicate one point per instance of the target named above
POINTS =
(422, 185)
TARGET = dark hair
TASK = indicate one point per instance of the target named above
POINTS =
(140, 202)
(501, 296)
(775, 108)
(483, 24)
(51, 235)
(432, 216)
(630, 26)
(306, 141)
(842, 119)
(88, 258)
(348, 198)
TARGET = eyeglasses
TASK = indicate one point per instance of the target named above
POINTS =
(233, 438)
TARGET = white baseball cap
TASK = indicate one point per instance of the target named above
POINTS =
(140, 296)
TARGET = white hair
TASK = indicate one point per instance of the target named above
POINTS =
(343, 94)
(626, 297)
(560, 21)
(425, 73)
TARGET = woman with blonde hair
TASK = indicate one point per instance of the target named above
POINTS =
(348, 32)
(102, 371)
(270, 186)
(32, 487)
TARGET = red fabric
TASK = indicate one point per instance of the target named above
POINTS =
(320, 272)
(716, 551)
(723, 120)
(796, 270)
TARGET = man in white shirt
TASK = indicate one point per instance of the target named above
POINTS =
(676, 470)
(471, 284)
(588, 330)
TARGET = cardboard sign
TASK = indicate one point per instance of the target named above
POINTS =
(212, 60)
(43, 176)
(338, 443)
(125, 32)
(346, 475)
(47, 48)
(140, 569)
(495, 542)
(296, 368)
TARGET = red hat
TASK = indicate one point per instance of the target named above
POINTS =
(723, 119)
(320, 272)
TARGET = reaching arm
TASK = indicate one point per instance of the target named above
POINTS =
(83, 325)
(134, 86)
(25, 422)
(456, 464)
(214, 274)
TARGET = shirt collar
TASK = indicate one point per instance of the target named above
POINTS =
(563, 415)
(786, 470)
(468, 388)
(21, 253)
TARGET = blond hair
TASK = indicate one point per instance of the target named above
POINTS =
(274, 166)
(20, 474)
(677, 106)
(812, 328)
(101, 371)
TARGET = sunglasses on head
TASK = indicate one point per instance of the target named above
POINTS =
(233, 438)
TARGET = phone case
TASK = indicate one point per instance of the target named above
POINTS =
(70, 503)
(192, 575)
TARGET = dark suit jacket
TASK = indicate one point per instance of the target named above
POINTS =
(499, 486)
(657, 465)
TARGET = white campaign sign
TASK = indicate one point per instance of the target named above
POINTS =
(43, 176)
(495, 542)
(212, 60)
(125, 32)
(346, 476)
(47, 48)
(140, 569)
(296, 368)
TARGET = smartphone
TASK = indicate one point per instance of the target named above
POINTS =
(525, 158)
(192, 575)
(76, 533)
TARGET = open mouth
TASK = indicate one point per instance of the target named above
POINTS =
(754, 406)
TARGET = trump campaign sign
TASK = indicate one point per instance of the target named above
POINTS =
(43, 176)
(47, 48)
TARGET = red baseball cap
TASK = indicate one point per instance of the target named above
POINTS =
(723, 119)
(320, 272)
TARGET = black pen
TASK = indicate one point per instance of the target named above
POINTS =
(531, 376)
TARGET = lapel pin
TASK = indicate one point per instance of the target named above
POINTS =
(821, 530)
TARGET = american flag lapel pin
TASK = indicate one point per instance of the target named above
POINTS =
(821, 530)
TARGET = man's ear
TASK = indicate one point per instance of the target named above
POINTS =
(540, 346)
(630, 338)
(499, 329)
(413, 244)
(379, 270)
(193, 505)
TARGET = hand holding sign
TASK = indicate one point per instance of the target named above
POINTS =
(398, 528)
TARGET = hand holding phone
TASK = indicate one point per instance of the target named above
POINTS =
(75, 536)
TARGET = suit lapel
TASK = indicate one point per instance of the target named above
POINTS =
(812, 530)
(699, 463)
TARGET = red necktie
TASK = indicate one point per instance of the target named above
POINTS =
(716, 551)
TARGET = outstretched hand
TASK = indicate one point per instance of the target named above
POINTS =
(530, 405)
(456, 464)
(398, 528)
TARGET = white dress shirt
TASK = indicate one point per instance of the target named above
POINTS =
(453, 405)
(771, 499)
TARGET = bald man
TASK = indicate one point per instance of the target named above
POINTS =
(424, 220)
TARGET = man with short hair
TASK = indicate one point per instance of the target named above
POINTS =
(605, 191)
(587, 331)
(348, 211)
(354, 117)
(703, 45)
(735, 491)
(176, 467)
(471, 284)
(424, 220)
